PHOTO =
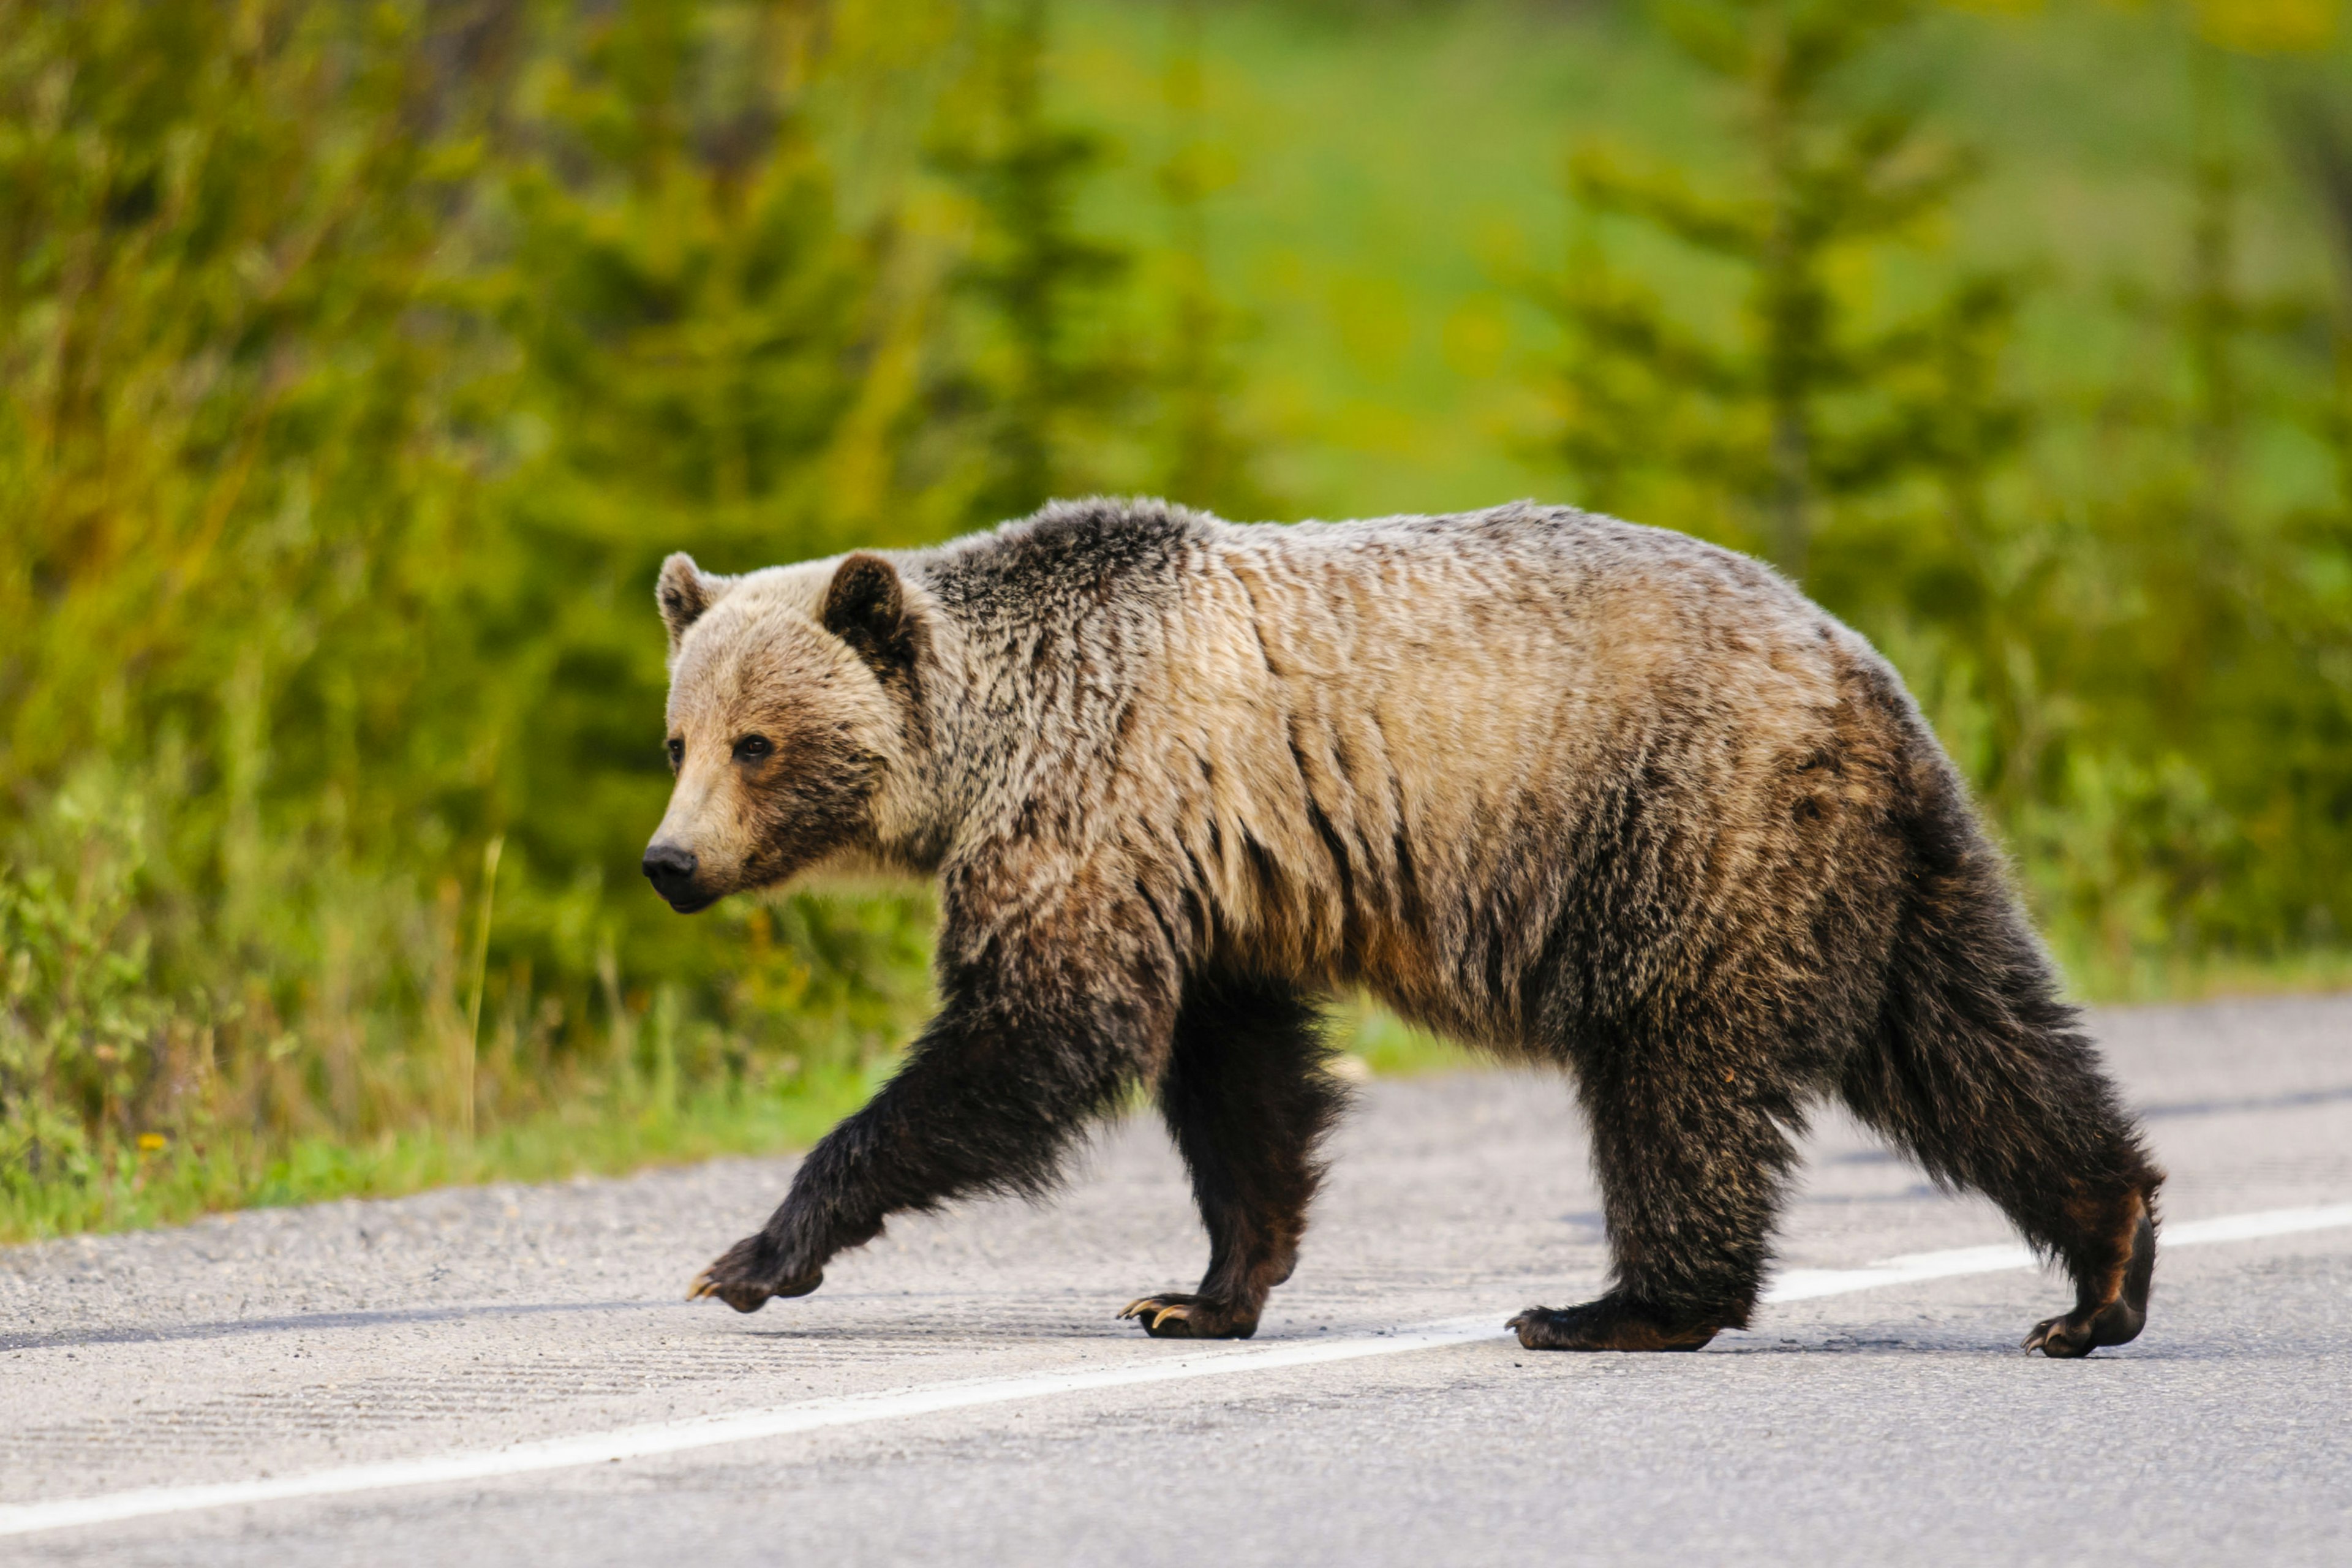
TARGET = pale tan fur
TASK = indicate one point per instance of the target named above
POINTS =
(753, 660)
(1456, 692)
(1420, 698)
(1545, 781)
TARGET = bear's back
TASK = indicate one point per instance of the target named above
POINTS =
(1354, 736)
(1491, 645)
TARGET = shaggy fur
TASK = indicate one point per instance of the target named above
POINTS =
(1556, 786)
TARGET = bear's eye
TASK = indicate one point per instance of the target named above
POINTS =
(676, 752)
(751, 748)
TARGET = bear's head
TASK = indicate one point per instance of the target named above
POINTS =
(790, 699)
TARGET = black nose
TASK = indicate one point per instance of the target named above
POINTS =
(671, 870)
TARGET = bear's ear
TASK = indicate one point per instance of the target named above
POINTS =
(684, 592)
(866, 606)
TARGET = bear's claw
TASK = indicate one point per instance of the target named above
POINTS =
(2079, 1334)
(2117, 1321)
(739, 1278)
(742, 1298)
(1174, 1316)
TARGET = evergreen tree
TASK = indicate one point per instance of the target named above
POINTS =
(698, 342)
(1210, 460)
(1035, 381)
(2198, 800)
(227, 479)
(363, 361)
(1761, 434)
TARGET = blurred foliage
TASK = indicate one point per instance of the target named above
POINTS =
(2144, 664)
(1037, 388)
(1808, 408)
(1210, 454)
(360, 360)
(362, 363)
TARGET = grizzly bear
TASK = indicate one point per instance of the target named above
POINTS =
(1555, 786)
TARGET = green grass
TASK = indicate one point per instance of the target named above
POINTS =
(1391, 1048)
(131, 1187)
(177, 1182)
(2147, 979)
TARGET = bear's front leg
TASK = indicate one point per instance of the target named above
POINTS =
(1039, 1031)
(1248, 1096)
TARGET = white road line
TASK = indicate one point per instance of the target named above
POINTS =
(674, 1437)
(857, 1409)
(1805, 1284)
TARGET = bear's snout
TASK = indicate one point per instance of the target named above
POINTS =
(670, 869)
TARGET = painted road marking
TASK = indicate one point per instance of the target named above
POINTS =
(857, 1409)
(1806, 1284)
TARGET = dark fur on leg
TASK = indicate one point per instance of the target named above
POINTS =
(1027, 1048)
(1248, 1096)
(1689, 1139)
(1981, 1073)
(2116, 1322)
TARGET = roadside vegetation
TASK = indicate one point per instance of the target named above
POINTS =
(360, 361)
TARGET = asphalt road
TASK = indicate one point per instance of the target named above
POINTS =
(1891, 1423)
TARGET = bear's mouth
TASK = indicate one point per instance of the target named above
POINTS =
(692, 903)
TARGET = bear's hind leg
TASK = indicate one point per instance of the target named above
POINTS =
(1688, 1143)
(1980, 1071)
(1247, 1097)
(2010, 1103)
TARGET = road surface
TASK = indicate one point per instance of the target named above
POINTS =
(507, 1374)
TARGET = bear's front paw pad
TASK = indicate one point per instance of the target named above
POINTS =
(744, 1278)
(742, 1298)
(2079, 1333)
(1604, 1325)
(2117, 1320)
(1175, 1316)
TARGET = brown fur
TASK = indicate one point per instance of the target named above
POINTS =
(1554, 785)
